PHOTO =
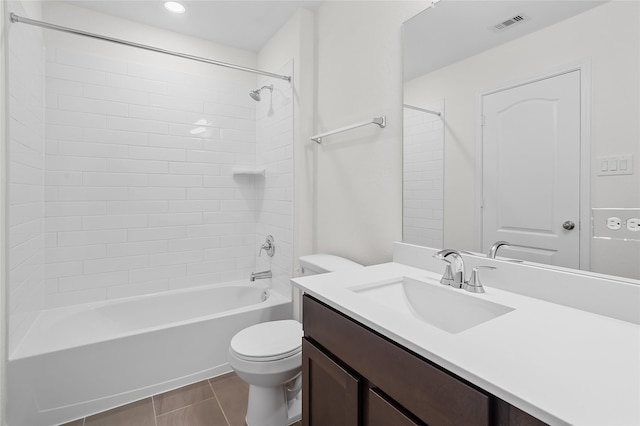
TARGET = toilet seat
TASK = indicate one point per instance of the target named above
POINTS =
(268, 341)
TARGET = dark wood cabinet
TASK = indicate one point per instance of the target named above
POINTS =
(363, 378)
(380, 411)
(330, 393)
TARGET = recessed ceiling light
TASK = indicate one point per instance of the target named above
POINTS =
(174, 7)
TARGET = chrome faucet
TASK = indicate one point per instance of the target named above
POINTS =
(493, 251)
(260, 275)
(491, 254)
(453, 275)
(268, 246)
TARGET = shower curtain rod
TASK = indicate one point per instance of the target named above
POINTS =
(438, 113)
(15, 18)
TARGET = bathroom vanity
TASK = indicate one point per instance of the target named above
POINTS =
(372, 355)
(356, 376)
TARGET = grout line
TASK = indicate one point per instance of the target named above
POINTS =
(219, 403)
(187, 406)
(153, 405)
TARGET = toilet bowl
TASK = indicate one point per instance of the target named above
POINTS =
(268, 356)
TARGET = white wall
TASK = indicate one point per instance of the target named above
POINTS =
(3, 143)
(359, 178)
(614, 55)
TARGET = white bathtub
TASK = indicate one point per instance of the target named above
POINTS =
(81, 360)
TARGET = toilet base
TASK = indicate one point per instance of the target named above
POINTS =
(295, 409)
(269, 407)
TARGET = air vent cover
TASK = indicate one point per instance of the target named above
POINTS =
(509, 22)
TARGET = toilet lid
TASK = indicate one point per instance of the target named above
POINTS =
(268, 341)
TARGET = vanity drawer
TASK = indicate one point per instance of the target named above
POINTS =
(431, 394)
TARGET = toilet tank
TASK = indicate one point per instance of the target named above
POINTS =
(322, 263)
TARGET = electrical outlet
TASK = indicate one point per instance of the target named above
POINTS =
(614, 223)
(633, 224)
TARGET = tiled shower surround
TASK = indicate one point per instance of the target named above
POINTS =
(423, 173)
(25, 193)
(122, 178)
(139, 185)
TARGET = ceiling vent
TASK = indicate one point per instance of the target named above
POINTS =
(509, 23)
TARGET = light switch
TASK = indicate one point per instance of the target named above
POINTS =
(615, 165)
(622, 165)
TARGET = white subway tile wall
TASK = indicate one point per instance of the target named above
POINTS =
(25, 195)
(140, 195)
(274, 117)
(423, 177)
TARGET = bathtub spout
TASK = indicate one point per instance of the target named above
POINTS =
(260, 275)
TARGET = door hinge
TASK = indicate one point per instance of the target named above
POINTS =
(482, 120)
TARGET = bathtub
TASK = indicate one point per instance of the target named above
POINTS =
(81, 360)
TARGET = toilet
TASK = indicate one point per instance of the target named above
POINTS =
(268, 356)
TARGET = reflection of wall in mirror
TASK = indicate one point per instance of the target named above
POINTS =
(614, 55)
(422, 177)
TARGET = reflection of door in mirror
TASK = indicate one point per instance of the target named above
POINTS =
(423, 172)
(453, 52)
(530, 170)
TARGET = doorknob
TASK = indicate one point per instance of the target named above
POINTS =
(568, 225)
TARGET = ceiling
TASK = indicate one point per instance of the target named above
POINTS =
(456, 29)
(244, 24)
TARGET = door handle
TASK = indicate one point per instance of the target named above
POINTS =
(568, 225)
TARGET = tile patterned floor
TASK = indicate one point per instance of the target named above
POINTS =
(221, 401)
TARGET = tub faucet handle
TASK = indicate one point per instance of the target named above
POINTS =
(268, 246)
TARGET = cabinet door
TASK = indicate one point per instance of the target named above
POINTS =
(330, 394)
(381, 412)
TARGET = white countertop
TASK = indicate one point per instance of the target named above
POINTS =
(559, 364)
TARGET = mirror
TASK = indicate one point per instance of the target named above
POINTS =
(456, 52)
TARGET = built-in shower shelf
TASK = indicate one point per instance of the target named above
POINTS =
(251, 171)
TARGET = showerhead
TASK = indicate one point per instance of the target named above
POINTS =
(255, 94)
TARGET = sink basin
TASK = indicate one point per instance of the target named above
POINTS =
(448, 309)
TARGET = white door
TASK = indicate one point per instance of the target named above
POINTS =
(531, 170)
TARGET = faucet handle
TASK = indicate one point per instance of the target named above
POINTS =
(454, 279)
(268, 246)
(447, 277)
(474, 285)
